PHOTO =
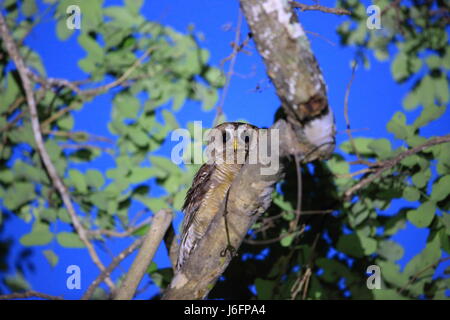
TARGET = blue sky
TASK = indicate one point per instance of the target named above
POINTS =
(374, 98)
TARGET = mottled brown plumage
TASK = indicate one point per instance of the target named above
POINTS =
(211, 184)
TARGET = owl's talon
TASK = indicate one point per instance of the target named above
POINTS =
(229, 249)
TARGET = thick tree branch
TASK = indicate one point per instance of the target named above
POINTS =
(292, 67)
(161, 221)
(388, 164)
(13, 52)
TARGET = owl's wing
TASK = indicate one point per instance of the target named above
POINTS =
(194, 199)
(200, 185)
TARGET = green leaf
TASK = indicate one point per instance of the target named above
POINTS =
(441, 89)
(433, 61)
(94, 178)
(51, 257)
(368, 244)
(154, 204)
(411, 194)
(350, 244)
(29, 8)
(411, 101)
(399, 67)
(17, 283)
(127, 105)
(441, 188)
(69, 240)
(139, 137)
(390, 272)
(361, 144)
(381, 147)
(284, 205)
(388, 294)
(63, 215)
(78, 181)
(264, 288)
(40, 235)
(390, 250)
(215, 77)
(66, 123)
(430, 255)
(420, 178)
(134, 5)
(12, 91)
(95, 52)
(170, 119)
(422, 216)
(426, 90)
(397, 126)
(428, 114)
(62, 32)
(18, 194)
(287, 240)
(141, 174)
(179, 199)
(165, 164)
(141, 231)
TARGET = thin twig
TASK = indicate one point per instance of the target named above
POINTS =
(414, 278)
(346, 116)
(29, 294)
(113, 265)
(57, 82)
(55, 116)
(298, 208)
(231, 66)
(388, 164)
(118, 234)
(273, 240)
(13, 52)
(317, 7)
(356, 173)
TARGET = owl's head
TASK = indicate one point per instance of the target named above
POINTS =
(230, 142)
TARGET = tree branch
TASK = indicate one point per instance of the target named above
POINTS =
(292, 67)
(317, 7)
(13, 52)
(29, 294)
(161, 221)
(388, 164)
(57, 82)
(114, 264)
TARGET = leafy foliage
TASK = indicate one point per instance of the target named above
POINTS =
(333, 242)
(338, 247)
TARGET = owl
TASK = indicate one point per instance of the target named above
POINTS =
(229, 144)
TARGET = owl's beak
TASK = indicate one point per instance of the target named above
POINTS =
(235, 144)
